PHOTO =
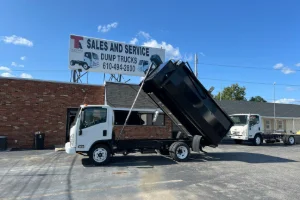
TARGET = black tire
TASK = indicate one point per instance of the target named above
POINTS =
(180, 151)
(171, 150)
(238, 141)
(196, 143)
(290, 140)
(164, 152)
(104, 154)
(72, 63)
(257, 140)
(85, 66)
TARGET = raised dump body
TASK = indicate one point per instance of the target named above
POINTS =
(176, 90)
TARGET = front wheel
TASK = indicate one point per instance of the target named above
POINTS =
(100, 154)
(290, 140)
(257, 141)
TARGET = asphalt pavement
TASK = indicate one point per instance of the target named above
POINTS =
(227, 172)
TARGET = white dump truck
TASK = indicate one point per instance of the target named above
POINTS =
(248, 127)
(179, 94)
(89, 60)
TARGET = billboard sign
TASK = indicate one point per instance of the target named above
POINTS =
(99, 55)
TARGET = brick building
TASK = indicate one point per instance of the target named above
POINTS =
(28, 106)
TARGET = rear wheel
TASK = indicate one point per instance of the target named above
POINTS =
(72, 63)
(180, 151)
(238, 141)
(257, 141)
(100, 154)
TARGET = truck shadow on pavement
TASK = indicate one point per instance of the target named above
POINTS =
(238, 156)
(149, 161)
(139, 161)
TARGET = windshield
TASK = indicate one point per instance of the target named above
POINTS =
(239, 119)
(74, 122)
(95, 56)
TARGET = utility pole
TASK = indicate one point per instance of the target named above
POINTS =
(274, 109)
(196, 63)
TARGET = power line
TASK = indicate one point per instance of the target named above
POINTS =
(246, 67)
(250, 82)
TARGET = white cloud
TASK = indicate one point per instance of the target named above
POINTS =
(278, 66)
(297, 65)
(291, 89)
(16, 40)
(188, 57)
(171, 52)
(7, 74)
(134, 41)
(145, 35)
(24, 75)
(202, 54)
(106, 28)
(23, 58)
(285, 100)
(2, 68)
(14, 64)
(287, 70)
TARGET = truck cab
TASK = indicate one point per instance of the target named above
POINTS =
(92, 124)
(91, 59)
(246, 127)
(143, 65)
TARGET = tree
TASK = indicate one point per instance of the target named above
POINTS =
(233, 92)
(257, 99)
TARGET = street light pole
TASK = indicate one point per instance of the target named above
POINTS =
(274, 109)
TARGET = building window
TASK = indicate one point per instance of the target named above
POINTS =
(138, 118)
(279, 125)
(268, 125)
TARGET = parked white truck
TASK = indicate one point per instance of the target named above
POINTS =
(89, 60)
(248, 127)
(179, 94)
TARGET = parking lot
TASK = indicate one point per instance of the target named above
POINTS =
(227, 172)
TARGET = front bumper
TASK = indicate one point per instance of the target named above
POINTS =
(69, 149)
(236, 137)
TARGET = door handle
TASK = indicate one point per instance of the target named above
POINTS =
(259, 128)
(80, 132)
(104, 132)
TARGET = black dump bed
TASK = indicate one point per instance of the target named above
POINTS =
(176, 90)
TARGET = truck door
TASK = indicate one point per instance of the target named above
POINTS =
(94, 127)
(88, 58)
(254, 125)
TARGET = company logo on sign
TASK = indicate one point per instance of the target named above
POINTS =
(98, 55)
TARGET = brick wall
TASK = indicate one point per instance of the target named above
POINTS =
(145, 132)
(27, 106)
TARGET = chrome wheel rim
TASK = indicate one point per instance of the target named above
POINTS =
(100, 155)
(182, 152)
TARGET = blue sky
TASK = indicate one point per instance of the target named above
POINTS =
(260, 34)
